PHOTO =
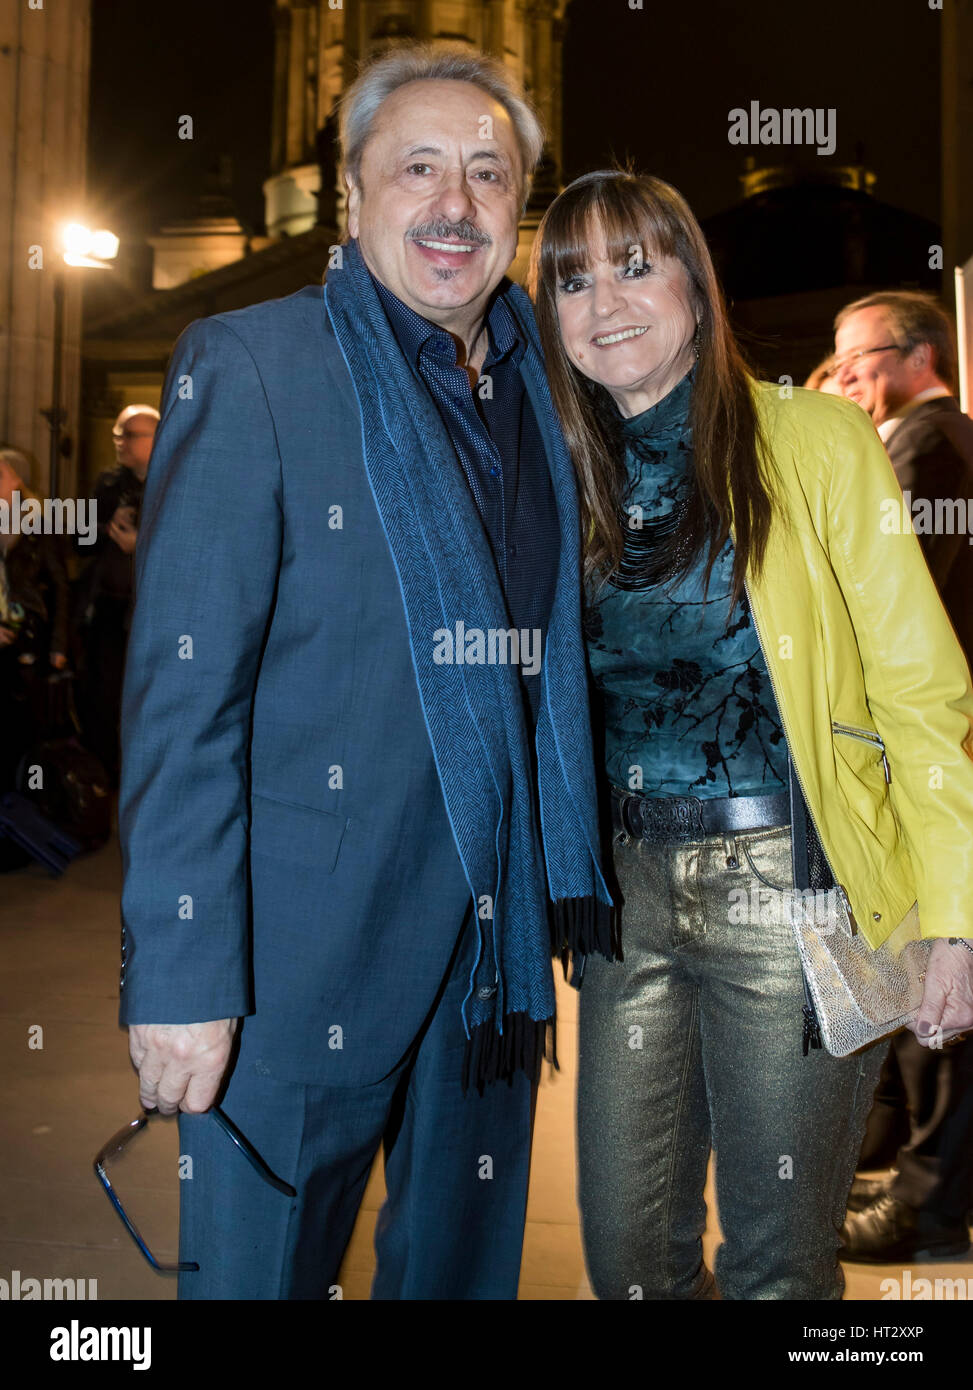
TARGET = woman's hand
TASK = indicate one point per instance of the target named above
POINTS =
(947, 996)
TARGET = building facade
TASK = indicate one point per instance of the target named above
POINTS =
(319, 47)
(206, 266)
(44, 54)
(783, 288)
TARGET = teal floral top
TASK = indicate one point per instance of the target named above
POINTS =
(686, 701)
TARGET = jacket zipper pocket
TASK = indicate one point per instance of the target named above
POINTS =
(865, 736)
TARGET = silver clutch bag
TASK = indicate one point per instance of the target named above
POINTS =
(859, 994)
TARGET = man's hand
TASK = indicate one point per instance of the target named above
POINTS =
(947, 996)
(181, 1065)
(122, 530)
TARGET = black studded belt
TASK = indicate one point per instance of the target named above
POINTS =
(674, 820)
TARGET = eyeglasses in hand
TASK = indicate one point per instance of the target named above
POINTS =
(123, 1138)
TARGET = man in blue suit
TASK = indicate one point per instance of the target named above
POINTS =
(354, 695)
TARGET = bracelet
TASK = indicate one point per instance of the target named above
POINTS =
(960, 941)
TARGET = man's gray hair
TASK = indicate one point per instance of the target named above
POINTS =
(427, 62)
(913, 318)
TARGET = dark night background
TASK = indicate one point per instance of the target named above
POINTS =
(655, 85)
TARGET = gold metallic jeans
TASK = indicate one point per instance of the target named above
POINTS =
(693, 1041)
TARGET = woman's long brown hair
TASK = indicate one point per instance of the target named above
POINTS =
(730, 462)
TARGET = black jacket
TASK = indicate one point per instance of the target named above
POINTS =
(932, 454)
(36, 573)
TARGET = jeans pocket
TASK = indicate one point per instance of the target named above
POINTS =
(768, 856)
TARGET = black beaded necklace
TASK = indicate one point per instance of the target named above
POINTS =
(657, 550)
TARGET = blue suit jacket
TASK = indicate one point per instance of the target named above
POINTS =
(286, 849)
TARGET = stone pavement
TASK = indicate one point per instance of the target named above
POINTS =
(59, 943)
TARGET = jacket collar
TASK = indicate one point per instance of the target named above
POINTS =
(926, 403)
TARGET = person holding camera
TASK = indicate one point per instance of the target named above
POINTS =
(105, 591)
(33, 616)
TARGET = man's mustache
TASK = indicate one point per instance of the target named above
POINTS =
(455, 231)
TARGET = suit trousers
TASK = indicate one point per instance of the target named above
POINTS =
(693, 1042)
(456, 1172)
(922, 1125)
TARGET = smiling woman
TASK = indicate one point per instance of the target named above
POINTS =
(619, 254)
(775, 676)
(640, 358)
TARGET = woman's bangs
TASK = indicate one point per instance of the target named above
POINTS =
(623, 217)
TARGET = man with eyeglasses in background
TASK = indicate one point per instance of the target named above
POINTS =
(103, 599)
(895, 356)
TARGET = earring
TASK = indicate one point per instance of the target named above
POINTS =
(697, 336)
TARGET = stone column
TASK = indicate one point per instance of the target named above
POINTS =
(555, 133)
(494, 27)
(290, 194)
(44, 60)
(541, 20)
(297, 91)
(282, 46)
(542, 52)
(957, 136)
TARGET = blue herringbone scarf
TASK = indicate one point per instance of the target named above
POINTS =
(534, 888)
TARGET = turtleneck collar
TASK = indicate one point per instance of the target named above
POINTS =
(667, 418)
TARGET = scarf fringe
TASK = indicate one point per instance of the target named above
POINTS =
(584, 926)
(522, 1046)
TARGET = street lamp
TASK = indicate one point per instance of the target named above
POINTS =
(85, 247)
(95, 250)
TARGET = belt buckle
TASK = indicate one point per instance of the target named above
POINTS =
(684, 817)
(683, 821)
(661, 823)
(695, 825)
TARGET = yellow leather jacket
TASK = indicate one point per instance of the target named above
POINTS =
(872, 685)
